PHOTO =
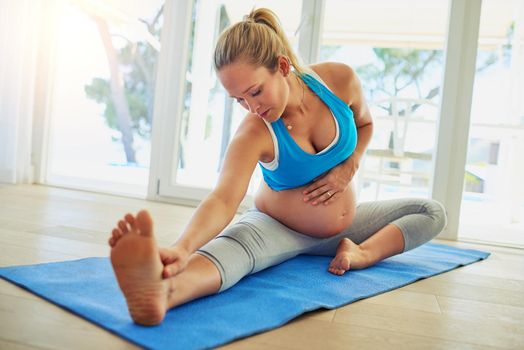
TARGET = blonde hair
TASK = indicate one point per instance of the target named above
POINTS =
(258, 40)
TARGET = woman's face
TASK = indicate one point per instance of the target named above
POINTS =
(259, 90)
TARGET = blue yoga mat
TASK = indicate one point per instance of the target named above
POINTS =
(265, 300)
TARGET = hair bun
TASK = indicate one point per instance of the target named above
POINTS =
(249, 18)
(259, 45)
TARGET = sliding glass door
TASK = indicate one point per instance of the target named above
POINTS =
(493, 198)
(101, 106)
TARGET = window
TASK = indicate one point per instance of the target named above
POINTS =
(102, 102)
(492, 206)
(396, 48)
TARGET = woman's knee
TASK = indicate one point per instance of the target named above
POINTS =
(426, 220)
(231, 254)
(437, 212)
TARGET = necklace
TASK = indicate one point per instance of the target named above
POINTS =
(288, 125)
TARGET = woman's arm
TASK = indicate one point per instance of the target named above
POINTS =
(217, 210)
(361, 113)
(364, 124)
(346, 85)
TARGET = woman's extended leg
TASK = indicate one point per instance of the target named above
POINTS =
(382, 229)
(136, 262)
(255, 242)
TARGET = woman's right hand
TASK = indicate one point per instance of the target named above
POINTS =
(175, 259)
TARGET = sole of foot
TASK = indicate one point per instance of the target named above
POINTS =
(136, 263)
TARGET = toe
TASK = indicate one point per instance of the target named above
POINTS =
(144, 222)
(345, 264)
(130, 220)
(334, 271)
(116, 233)
(337, 267)
(123, 226)
(115, 236)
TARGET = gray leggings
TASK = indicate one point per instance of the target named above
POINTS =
(257, 241)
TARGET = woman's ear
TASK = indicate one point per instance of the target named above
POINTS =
(284, 65)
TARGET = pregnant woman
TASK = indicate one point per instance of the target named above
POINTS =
(307, 128)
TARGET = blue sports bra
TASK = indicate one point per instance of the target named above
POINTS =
(293, 167)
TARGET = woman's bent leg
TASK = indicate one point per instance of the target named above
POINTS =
(385, 228)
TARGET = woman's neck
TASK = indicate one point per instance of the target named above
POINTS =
(298, 92)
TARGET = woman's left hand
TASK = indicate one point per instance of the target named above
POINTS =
(330, 186)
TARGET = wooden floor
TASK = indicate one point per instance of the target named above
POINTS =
(480, 306)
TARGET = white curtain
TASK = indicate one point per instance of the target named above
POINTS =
(19, 24)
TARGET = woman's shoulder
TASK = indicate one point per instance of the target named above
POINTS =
(252, 125)
(253, 133)
(340, 78)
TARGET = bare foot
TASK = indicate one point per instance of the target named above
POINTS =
(349, 255)
(138, 269)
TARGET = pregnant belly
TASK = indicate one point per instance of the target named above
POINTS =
(320, 221)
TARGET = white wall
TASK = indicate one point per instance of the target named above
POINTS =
(18, 52)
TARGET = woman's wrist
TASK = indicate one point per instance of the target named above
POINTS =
(183, 246)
